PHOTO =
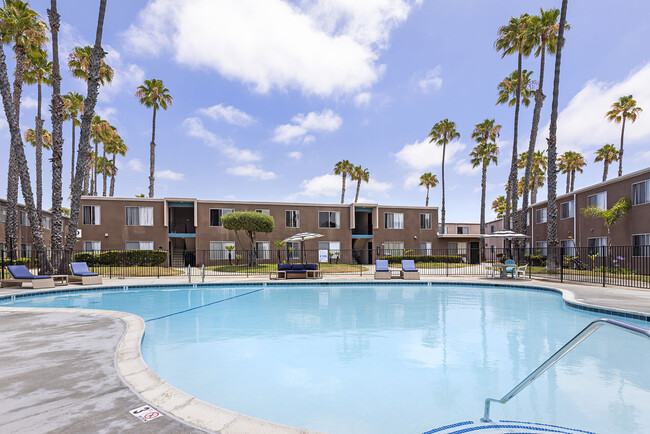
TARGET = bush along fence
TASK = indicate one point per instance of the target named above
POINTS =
(602, 266)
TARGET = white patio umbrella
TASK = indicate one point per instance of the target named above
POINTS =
(505, 234)
(302, 236)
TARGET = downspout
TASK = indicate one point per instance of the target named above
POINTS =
(575, 226)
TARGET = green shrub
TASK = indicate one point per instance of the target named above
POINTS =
(123, 258)
(536, 260)
(449, 259)
(21, 261)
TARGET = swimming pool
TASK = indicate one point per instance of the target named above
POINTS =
(385, 357)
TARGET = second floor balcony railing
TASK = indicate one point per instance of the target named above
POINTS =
(182, 228)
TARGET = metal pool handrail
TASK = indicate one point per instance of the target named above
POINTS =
(577, 339)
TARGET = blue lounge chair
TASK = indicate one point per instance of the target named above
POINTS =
(81, 274)
(381, 269)
(510, 270)
(408, 271)
(21, 275)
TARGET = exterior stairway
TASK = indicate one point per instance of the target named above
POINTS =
(178, 259)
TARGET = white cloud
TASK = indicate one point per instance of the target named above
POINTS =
(582, 125)
(362, 99)
(329, 185)
(424, 155)
(228, 114)
(251, 171)
(126, 78)
(169, 174)
(107, 113)
(194, 128)
(28, 102)
(320, 47)
(295, 155)
(464, 167)
(375, 186)
(135, 164)
(431, 80)
(302, 124)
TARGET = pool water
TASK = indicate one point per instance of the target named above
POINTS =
(384, 358)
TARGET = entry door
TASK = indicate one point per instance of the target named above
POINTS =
(474, 252)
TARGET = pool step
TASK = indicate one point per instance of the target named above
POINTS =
(504, 426)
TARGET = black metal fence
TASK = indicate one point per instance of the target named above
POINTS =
(602, 266)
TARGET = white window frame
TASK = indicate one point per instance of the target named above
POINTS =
(428, 221)
(545, 213)
(218, 250)
(47, 222)
(456, 248)
(295, 254)
(223, 212)
(264, 211)
(542, 247)
(393, 248)
(646, 247)
(3, 213)
(92, 246)
(604, 194)
(26, 250)
(333, 247)
(142, 214)
(570, 248)
(601, 249)
(96, 215)
(571, 208)
(464, 230)
(647, 192)
(446, 231)
(265, 251)
(24, 218)
(426, 247)
(337, 219)
(396, 223)
(295, 217)
(140, 245)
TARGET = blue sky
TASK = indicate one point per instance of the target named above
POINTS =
(269, 95)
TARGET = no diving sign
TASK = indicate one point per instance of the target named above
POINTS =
(145, 413)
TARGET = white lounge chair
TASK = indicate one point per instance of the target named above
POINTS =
(489, 269)
(521, 271)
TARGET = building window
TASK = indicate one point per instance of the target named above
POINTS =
(641, 193)
(92, 246)
(24, 218)
(218, 250)
(3, 214)
(463, 230)
(217, 213)
(139, 216)
(425, 221)
(333, 248)
(566, 210)
(139, 245)
(47, 222)
(329, 219)
(92, 214)
(292, 218)
(597, 246)
(599, 200)
(455, 248)
(493, 229)
(393, 220)
(25, 250)
(541, 215)
(641, 245)
(541, 248)
(394, 248)
(263, 211)
(293, 249)
(441, 232)
(568, 247)
(425, 248)
(262, 249)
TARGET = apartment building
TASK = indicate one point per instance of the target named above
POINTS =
(24, 242)
(188, 224)
(576, 230)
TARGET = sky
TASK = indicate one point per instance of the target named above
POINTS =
(269, 95)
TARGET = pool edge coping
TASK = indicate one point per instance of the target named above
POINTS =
(137, 375)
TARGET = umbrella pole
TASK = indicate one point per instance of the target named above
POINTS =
(302, 251)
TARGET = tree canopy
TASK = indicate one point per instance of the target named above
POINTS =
(248, 221)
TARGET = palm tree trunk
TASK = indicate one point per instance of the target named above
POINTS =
(605, 170)
(86, 174)
(533, 190)
(113, 177)
(444, 148)
(515, 154)
(568, 181)
(620, 151)
(152, 153)
(356, 198)
(104, 174)
(343, 176)
(573, 179)
(426, 203)
(38, 138)
(552, 241)
(84, 135)
(94, 172)
(483, 188)
(72, 154)
(539, 101)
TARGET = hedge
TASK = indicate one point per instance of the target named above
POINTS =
(425, 258)
(536, 260)
(123, 258)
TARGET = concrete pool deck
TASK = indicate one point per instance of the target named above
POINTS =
(74, 371)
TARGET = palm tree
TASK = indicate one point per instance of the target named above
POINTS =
(511, 40)
(153, 93)
(106, 144)
(343, 168)
(45, 142)
(100, 132)
(499, 206)
(570, 163)
(486, 152)
(429, 180)
(551, 234)
(359, 174)
(607, 154)
(21, 26)
(79, 65)
(38, 71)
(623, 109)
(442, 133)
(538, 178)
(563, 167)
(508, 89)
(74, 105)
(97, 54)
(610, 216)
(115, 146)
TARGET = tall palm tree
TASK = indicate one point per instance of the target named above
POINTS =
(38, 71)
(551, 234)
(511, 40)
(607, 154)
(23, 27)
(84, 134)
(106, 147)
(486, 152)
(623, 109)
(359, 174)
(79, 65)
(508, 89)
(541, 35)
(74, 105)
(115, 146)
(564, 168)
(100, 132)
(441, 134)
(499, 206)
(343, 168)
(153, 93)
(570, 163)
(539, 166)
(429, 180)
(44, 142)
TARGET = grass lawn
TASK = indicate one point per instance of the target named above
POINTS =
(434, 265)
(135, 271)
(265, 268)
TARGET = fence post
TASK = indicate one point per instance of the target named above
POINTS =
(189, 273)
(561, 263)
(202, 273)
(2, 252)
(604, 271)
